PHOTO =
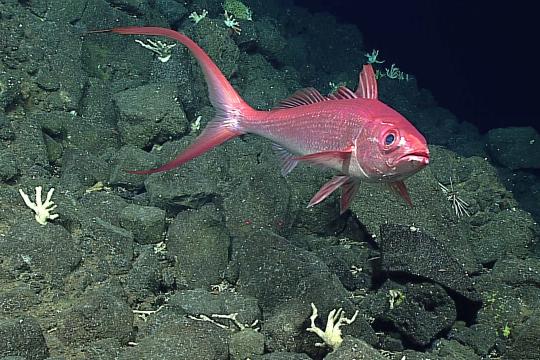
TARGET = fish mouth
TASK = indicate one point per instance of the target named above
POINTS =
(421, 157)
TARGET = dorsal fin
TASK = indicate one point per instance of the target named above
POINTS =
(367, 84)
(301, 97)
(367, 89)
(341, 93)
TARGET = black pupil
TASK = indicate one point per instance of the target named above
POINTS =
(389, 139)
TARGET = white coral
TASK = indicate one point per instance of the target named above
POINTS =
(42, 209)
(332, 333)
(196, 17)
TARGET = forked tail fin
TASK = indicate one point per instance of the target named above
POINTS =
(231, 109)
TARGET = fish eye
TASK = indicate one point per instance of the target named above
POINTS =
(389, 139)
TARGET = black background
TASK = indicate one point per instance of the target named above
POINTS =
(478, 58)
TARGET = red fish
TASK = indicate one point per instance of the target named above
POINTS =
(351, 132)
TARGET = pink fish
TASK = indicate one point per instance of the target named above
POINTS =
(351, 132)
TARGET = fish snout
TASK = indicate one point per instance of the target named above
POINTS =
(421, 157)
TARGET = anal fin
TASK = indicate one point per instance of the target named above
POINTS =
(288, 160)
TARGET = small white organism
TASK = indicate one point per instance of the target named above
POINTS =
(196, 17)
(232, 23)
(332, 333)
(162, 50)
(42, 209)
(372, 57)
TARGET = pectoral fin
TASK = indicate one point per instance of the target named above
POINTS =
(337, 159)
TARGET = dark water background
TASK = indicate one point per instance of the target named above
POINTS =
(477, 57)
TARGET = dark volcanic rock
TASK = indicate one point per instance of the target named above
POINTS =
(101, 314)
(46, 250)
(526, 339)
(425, 312)
(417, 254)
(515, 147)
(419, 312)
(22, 337)
(274, 271)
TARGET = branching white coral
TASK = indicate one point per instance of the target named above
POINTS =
(332, 333)
(196, 17)
(372, 57)
(232, 23)
(232, 317)
(42, 209)
(163, 51)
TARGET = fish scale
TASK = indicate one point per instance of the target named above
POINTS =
(311, 130)
(351, 132)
